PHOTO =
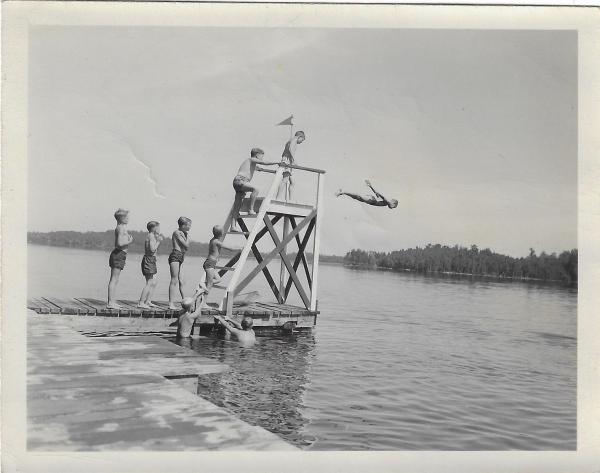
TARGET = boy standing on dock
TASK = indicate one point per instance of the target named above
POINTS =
(180, 246)
(151, 245)
(118, 256)
(192, 308)
(289, 157)
(211, 275)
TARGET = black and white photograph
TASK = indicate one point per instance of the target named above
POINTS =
(289, 236)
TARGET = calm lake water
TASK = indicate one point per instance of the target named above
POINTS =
(397, 362)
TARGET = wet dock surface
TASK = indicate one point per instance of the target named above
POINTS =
(124, 393)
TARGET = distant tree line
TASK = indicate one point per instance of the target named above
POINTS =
(473, 261)
(105, 241)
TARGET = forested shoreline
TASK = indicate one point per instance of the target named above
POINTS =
(471, 261)
(104, 241)
(430, 259)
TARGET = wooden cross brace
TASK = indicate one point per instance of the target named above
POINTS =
(280, 246)
(258, 255)
(300, 256)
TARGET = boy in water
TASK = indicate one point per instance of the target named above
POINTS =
(378, 200)
(151, 245)
(241, 182)
(191, 311)
(242, 333)
(117, 258)
(180, 246)
(289, 157)
(211, 275)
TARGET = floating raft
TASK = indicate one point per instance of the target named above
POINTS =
(265, 315)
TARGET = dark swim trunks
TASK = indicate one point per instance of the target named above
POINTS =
(239, 183)
(209, 263)
(117, 259)
(176, 256)
(149, 265)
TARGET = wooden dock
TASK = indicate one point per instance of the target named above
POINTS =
(88, 313)
(124, 393)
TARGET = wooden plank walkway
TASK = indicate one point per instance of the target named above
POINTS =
(124, 393)
(91, 315)
(89, 306)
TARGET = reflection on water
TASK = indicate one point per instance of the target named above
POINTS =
(397, 362)
(265, 384)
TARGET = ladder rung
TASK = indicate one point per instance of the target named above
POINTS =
(247, 216)
(226, 268)
(235, 232)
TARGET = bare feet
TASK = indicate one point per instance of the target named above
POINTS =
(151, 304)
(338, 192)
(143, 306)
(113, 306)
(173, 307)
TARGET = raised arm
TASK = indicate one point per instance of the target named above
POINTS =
(223, 246)
(181, 239)
(264, 163)
(234, 323)
(225, 324)
(199, 305)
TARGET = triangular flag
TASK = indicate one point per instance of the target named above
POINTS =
(287, 121)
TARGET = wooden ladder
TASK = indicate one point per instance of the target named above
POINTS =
(269, 212)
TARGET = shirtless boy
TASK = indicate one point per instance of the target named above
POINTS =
(191, 310)
(151, 245)
(214, 252)
(117, 258)
(378, 200)
(243, 332)
(241, 182)
(289, 157)
(180, 246)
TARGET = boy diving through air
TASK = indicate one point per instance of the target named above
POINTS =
(377, 200)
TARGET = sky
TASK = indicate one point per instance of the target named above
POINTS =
(473, 131)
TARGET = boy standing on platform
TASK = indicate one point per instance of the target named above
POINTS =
(117, 258)
(289, 157)
(180, 246)
(151, 245)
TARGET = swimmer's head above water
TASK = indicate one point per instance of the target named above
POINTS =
(247, 323)
(188, 303)
(393, 204)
